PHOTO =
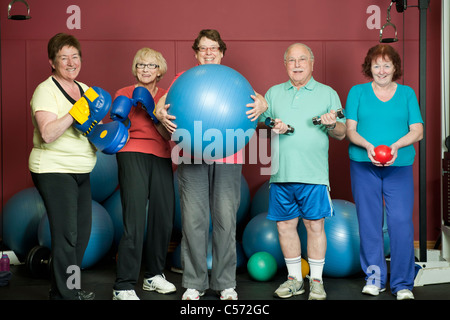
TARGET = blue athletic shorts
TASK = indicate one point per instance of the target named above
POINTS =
(288, 201)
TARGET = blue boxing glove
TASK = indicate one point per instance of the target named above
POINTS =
(110, 137)
(142, 96)
(90, 109)
(120, 109)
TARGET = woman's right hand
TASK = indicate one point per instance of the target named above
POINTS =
(166, 119)
(162, 114)
(371, 154)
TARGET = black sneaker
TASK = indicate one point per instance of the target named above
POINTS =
(85, 295)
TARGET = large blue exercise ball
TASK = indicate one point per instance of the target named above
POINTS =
(342, 232)
(209, 103)
(21, 216)
(104, 177)
(102, 233)
(261, 234)
(114, 207)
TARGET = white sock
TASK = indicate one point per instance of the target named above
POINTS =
(294, 267)
(316, 268)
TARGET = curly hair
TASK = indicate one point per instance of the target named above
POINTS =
(388, 53)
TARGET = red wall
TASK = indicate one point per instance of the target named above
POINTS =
(257, 33)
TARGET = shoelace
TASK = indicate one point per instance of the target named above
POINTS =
(156, 281)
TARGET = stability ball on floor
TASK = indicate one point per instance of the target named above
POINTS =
(102, 233)
(262, 266)
(261, 234)
(342, 232)
(104, 177)
(21, 216)
(209, 103)
(114, 207)
(305, 268)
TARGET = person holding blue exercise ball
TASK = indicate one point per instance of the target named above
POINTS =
(145, 177)
(384, 112)
(209, 189)
(299, 182)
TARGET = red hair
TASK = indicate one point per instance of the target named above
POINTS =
(388, 53)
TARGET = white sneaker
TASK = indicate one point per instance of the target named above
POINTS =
(404, 294)
(125, 295)
(316, 290)
(291, 287)
(228, 294)
(159, 284)
(192, 294)
(372, 290)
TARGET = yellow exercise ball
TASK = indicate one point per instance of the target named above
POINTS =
(305, 268)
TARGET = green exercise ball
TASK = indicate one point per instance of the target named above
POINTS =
(262, 266)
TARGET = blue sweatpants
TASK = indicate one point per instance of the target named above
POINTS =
(370, 186)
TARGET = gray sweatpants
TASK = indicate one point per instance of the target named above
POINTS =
(209, 190)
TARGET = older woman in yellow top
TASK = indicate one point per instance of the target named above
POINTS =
(60, 163)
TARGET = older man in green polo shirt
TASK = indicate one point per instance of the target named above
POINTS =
(299, 183)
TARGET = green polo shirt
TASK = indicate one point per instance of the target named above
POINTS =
(300, 157)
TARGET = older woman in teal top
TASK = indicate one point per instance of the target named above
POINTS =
(384, 112)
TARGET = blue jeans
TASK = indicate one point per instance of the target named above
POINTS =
(370, 186)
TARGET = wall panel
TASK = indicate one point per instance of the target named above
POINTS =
(257, 33)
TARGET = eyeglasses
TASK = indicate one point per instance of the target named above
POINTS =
(204, 49)
(148, 65)
(302, 59)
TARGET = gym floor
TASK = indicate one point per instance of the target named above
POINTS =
(101, 277)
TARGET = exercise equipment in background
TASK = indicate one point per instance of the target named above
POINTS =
(102, 234)
(262, 266)
(261, 234)
(18, 16)
(21, 216)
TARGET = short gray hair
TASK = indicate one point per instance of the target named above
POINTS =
(299, 44)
